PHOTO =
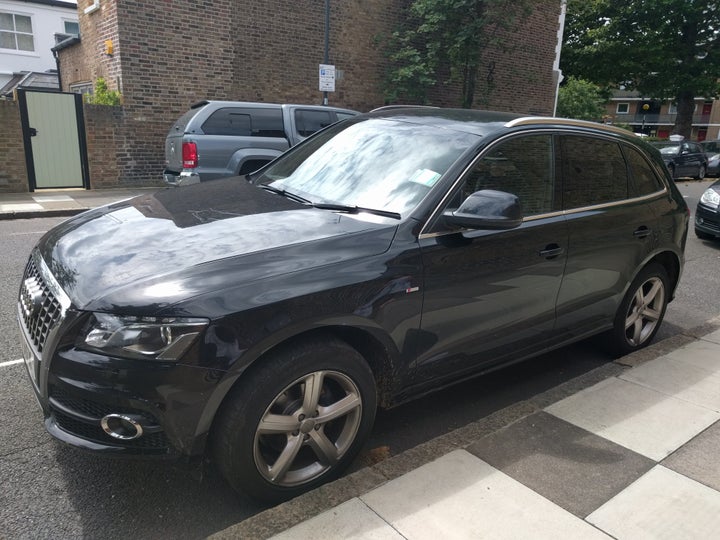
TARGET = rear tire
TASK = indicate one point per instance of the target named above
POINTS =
(641, 312)
(297, 421)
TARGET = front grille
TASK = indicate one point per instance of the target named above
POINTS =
(40, 309)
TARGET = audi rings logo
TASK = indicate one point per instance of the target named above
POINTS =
(31, 297)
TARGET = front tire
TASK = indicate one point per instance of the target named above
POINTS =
(297, 421)
(641, 312)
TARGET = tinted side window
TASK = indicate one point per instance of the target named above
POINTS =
(644, 180)
(522, 166)
(245, 122)
(594, 172)
(308, 122)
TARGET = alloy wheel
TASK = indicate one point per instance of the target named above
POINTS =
(645, 311)
(307, 428)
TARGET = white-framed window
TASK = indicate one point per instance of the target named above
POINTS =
(71, 27)
(623, 108)
(16, 32)
(672, 108)
(85, 88)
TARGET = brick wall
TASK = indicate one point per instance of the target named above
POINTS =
(13, 174)
(169, 54)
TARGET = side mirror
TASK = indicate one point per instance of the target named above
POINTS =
(487, 209)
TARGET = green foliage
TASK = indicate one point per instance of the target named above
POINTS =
(443, 41)
(662, 48)
(104, 96)
(581, 99)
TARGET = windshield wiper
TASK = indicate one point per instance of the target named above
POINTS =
(285, 193)
(356, 209)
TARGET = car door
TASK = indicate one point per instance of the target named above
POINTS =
(489, 295)
(611, 233)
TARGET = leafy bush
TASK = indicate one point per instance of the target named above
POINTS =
(104, 96)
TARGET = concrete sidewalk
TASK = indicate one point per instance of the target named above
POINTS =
(63, 202)
(627, 451)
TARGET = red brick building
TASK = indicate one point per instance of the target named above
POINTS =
(167, 54)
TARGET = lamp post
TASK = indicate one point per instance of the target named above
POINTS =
(327, 43)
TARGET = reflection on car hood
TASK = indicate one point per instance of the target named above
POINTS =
(162, 243)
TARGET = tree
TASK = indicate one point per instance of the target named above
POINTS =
(662, 48)
(451, 34)
(581, 99)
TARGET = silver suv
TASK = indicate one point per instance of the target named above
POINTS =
(215, 139)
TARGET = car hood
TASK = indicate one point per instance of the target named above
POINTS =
(147, 253)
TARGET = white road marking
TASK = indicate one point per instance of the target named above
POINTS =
(11, 363)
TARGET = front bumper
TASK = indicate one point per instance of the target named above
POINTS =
(707, 220)
(76, 389)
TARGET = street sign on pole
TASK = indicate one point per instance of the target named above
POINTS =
(327, 78)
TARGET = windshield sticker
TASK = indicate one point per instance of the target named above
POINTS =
(425, 177)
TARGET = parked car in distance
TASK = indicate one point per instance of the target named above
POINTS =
(707, 213)
(215, 139)
(712, 151)
(262, 320)
(683, 158)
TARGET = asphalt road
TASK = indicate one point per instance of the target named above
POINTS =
(48, 490)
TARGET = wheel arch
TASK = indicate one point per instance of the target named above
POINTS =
(379, 354)
(671, 262)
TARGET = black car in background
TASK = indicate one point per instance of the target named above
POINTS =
(707, 213)
(683, 158)
(262, 320)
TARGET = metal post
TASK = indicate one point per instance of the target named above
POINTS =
(327, 43)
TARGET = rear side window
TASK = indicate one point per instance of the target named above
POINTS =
(644, 180)
(244, 122)
(308, 122)
(593, 170)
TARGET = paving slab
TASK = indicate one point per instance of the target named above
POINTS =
(713, 337)
(564, 463)
(693, 376)
(460, 496)
(350, 520)
(661, 504)
(698, 459)
(639, 418)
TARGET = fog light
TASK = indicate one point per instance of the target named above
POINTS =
(121, 426)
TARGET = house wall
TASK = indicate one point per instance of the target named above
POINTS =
(13, 174)
(169, 54)
(46, 21)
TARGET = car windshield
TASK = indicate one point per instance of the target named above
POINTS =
(375, 163)
(670, 150)
(711, 147)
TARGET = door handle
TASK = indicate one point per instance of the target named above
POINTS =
(33, 132)
(551, 251)
(641, 232)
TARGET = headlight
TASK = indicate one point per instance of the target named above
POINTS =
(710, 198)
(146, 338)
